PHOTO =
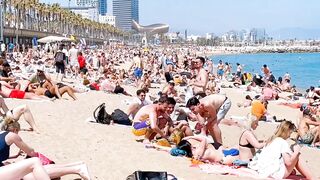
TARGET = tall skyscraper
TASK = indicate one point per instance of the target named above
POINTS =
(102, 7)
(126, 11)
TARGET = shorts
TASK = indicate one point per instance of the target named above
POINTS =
(74, 63)
(60, 68)
(84, 70)
(307, 138)
(220, 72)
(17, 94)
(140, 128)
(223, 110)
(48, 94)
(137, 72)
(118, 90)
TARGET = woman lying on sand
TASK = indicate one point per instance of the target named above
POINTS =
(10, 136)
(199, 148)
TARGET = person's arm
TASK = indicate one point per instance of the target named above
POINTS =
(15, 139)
(310, 122)
(253, 140)
(153, 123)
(6, 79)
(290, 158)
(4, 83)
(168, 125)
(202, 146)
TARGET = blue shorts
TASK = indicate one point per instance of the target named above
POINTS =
(137, 72)
(220, 72)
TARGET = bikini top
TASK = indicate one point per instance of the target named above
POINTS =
(4, 148)
(246, 145)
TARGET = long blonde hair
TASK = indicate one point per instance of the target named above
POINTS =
(282, 130)
(10, 124)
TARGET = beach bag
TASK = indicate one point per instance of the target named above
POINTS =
(59, 57)
(120, 117)
(101, 116)
(148, 175)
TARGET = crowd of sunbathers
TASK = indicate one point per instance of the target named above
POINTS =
(193, 93)
(165, 120)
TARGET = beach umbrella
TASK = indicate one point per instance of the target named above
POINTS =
(50, 39)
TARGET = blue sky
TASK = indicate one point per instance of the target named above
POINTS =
(218, 16)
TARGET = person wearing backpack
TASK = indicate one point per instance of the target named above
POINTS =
(60, 62)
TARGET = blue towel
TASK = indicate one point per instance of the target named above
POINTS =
(231, 152)
(177, 152)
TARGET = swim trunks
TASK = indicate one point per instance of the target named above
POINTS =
(137, 72)
(223, 110)
(307, 138)
(140, 128)
(118, 90)
(17, 94)
(220, 72)
(48, 94)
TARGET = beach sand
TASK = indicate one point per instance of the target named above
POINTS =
(111, 152)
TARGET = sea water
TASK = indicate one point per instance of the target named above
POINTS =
(304, 68)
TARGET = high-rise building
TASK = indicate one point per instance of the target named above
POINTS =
(102, 7)
(126, 11)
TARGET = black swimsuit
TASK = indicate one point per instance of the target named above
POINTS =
(4, 148)
(216, 145)
(246, 145)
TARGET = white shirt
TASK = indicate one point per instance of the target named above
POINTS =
(270, 162)
(73, 54)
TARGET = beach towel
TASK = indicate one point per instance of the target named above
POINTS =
(237, 171)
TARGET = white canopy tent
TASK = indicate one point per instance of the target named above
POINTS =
(50, 39)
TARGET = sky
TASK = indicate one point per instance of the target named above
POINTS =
(219, 16)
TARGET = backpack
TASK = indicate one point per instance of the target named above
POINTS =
(101, 116)
(59, 57)
(120, 117)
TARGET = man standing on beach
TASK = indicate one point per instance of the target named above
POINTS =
(146, 122)
(199, 84)
(73, 60)
(209, 111)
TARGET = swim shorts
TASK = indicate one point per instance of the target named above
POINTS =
(137, 72)
(220, 72)
(140, 128)
(223, 110)
(307, 138)
(17, 94)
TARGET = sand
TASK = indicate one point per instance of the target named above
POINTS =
(111, 152)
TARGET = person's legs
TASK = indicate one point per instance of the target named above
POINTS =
(25, 111)
(31, 168)
(3, 106)
(56, 171)
(316, 138)
(33, 96)
(301, 167)
(215, 132)
(67, 89)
